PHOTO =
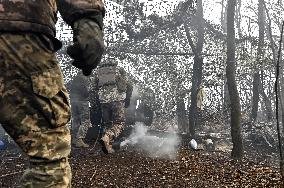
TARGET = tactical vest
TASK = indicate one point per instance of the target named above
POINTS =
(107, 76)
(111, 76)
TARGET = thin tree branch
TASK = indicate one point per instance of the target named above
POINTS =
(277, 105)
(188, 36)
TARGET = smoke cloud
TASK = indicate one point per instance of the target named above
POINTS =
(162, 146)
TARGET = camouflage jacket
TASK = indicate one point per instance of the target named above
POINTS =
(110, 93)
(40, 15)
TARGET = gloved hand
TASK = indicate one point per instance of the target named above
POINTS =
(88, 45)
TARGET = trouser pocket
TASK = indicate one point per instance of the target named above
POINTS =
(52, 96)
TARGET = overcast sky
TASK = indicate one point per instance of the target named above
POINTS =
(212, 12)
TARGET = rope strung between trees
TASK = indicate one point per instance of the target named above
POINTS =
(277, 113)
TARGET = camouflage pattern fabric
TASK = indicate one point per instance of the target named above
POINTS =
(108, 94)
(80, 118)
(111, 93)
(34, 108)
(40, 16)
(106, 75)
(112, 101)
(88, 45)
(72, 10)
(113, 115)
(95, 109)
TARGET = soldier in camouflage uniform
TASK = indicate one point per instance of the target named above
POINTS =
(79, 95)
(34, 104)
(114, 90)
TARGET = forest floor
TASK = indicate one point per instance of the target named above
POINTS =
(133, 168)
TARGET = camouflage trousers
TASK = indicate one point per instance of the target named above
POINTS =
(80, 118)
(35, 109)
(113, 115)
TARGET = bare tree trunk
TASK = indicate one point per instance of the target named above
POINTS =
(256, 77)
(197, 67)
(269, 33)
(273, 48)
(196, 82)
(181, 114)
(267, 102)
(226, 98)
(223, 16)
(226, 102)
(277, 92)
(280, 96)
(237, 152)
(255, 96)
(238, 18)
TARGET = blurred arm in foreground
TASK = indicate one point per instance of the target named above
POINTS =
(87, 24)
(34, 103)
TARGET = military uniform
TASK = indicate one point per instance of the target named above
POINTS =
(79, 95)
(34, 104)
(114, 91)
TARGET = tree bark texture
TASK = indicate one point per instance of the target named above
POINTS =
(181, 114)
(256, 77)
(237, 152)
(267, 101)
(223, 16)
(197, 67)
(238, 18)
(196, 82)
(255, 96)
(226, 100)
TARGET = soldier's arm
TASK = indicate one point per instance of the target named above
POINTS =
(86, 19)
(73, 10)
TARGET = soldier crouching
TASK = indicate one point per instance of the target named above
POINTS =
(34, 104)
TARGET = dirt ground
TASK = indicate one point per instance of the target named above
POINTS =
(132, 168)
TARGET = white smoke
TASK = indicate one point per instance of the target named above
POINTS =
(165, 146)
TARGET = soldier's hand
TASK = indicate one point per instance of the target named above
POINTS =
(88, 46)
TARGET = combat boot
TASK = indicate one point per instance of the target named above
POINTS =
(81, 144)
(106, 146)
